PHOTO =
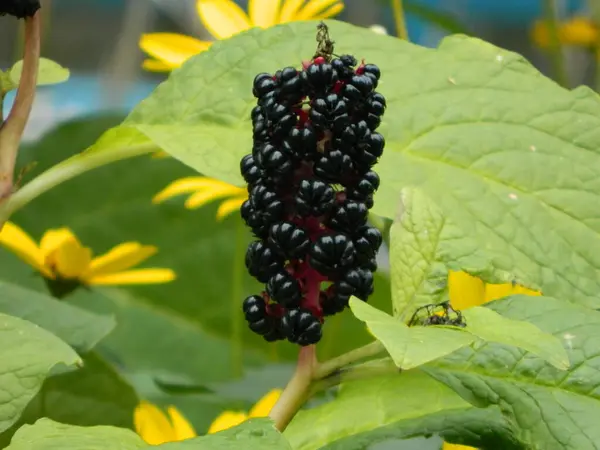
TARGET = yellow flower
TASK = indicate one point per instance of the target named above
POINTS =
(467, 291)
(578, 30)
(61, 257)
(156, 428)
(223, 19)
(205, 190)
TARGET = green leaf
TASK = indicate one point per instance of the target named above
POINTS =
(93, 395)
(550, 409)
(419, 238)
(49, 72)
(396, 406)
(27, 354)
(485, 160)
(491, 326)
(409, 347)
(254, 434)
(48, 435)
(77, 327)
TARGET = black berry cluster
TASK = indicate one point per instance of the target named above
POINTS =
(19, 8)
(311, 185)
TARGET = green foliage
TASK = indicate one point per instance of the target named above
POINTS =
(78, 327)
(49, 72)
(492, 327)
(549, 409)
(396, 406)
(48, 435)
(409, 347)
(472, 134)
(27, 354)
(419, 239)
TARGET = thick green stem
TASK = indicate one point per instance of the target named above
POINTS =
(296, 392)
(370, 369)
(68, 169)
(329, 367)
(12, 129)
(398, 9)
(556, 49)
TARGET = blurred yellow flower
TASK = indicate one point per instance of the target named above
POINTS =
(60, 256)
(156, 428)
(205, 190)
(579, 31)
(223, 19)
(467, 291)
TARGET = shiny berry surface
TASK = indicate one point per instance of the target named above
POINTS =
(311, 182)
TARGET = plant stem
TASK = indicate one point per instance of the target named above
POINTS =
(12, 129)
(556, 49)
(370, 369)
(296, 392)
(398, 10)
(68, 169)
(327, 368)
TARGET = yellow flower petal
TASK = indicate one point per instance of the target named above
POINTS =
(172, 49)
(71, 259)
(496, 291)
(263, 13)
(465, 290)
(333, 11)
(289, 10)
(53, 239)
(578, 30)
(154, 65)
(183, 429)
(447, 446)
(23, 246)
(192, 184)
(222, 18)
(152, 424)
(140, 276)
(229, 206)
(314, 7)
(121, 257)
(264, 406)
(227, 420)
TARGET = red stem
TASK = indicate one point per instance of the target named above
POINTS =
(12, 129)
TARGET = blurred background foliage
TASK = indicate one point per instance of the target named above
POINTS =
(186, 343)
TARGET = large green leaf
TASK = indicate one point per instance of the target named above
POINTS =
(78, 327)
(93, 395)
(396, 406)
(27, 354)
(46, 434)
(420, 238)
(551, 409)
(254, 434)
(475, 126)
